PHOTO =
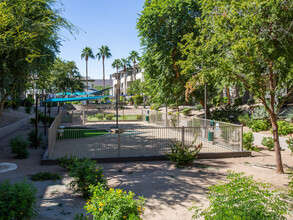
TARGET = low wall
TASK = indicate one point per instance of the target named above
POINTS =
(258, 138)
(13, 127)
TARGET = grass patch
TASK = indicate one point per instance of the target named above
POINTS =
(74, 133)
(120, 118)
(43, 176)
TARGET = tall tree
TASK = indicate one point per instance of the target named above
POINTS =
(117, 64)
(133, 56)
(125, 65)
(87, 53)
(29, 41)
(161, 26)
(248, 42)
(104, 52)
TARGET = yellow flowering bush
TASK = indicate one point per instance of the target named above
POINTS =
(114, 204)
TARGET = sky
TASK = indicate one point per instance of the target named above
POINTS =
(101, 22)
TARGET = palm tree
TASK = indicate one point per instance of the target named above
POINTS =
(133, 55)
(104, 52)
(125, 65)
(117, 64)
(87, 53)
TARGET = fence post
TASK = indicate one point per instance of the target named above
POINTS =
(182, 132)
(123, 114)
(241, 137)
(118, 142)
(83, 119)
(142, 114)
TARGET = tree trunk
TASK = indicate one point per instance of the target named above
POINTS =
(201, 101)
(104, 86)
(277, 144)
(134, 71)
(228, 96)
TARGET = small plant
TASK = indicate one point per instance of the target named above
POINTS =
(245, 120)
(174, 120)
(198, 107)
(85, 173)
(248, 141)
(109, 116)
(32, 139)
(17, 201)
(290, 144)
(260, 113)
(226, 114)
(268, 142)
(43, 176)
(65, 162)
(183, 154)
(156, 106)
(284, 128)
(114, 204)
(242, 198)
(100, 116)
(19, 147)
(138, 99)
(139, 117)
(186, 111)
(28, 109)
(260, 125)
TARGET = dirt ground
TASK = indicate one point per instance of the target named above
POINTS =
(169, 191)
(10, 116)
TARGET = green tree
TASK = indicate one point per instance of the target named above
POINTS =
(125, 65)
(117, 64)
(104, 52)
(133, 56)
(29, 41)
(66, 77)
(136, 88)
(87, 53)
(161, 26)
(250, 43)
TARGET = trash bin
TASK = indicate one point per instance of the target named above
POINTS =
(210, 136)
(147, 118)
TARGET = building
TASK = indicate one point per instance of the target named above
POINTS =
(125, 80)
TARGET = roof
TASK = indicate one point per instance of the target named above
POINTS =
(76, 99)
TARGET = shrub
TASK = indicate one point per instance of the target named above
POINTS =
(17, 201)
(242, 198)
(248, 141)
(245, 119)
(290, 144)
(139, 117)
(28, 109)
(100, 116)
(250, 101)
(260, 113)
(156, 106)
(16, 103)
(28, 102)
(138, 99)
(198, 107)
(285, 128)
(174, 120)
(238, 101)
(105, 99)
(268, 142)
(65, 162)
(186, 111)
(19, 147)
(227, 114)
(109, 116)
(114, 204)
(260, 125)
(86, 173)
(43, 176)
(32, 139)
(183, 154)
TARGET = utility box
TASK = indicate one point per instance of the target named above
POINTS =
(210, 136)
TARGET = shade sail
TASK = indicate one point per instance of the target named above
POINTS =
(98, 92)
(76, 99)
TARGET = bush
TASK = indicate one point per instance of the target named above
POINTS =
(17, 201)
(248, 141)
(43, 176)
(100, 116)
(242, 198)
(114, 204)
(238, 101)
(19, 147)
(260, 125)
(245, 120)
(183, 154)
(32, 139)
(226, 114)
(268, 142)
(16, 103)
(174, 120)
(156, 106)
(28, 109)
(86, 173)
(186, 111)
(139, 117)
(198, 107)
(105, 99)
(285, 128)
(109, 116)
(138, 99)
(65, 162)
(28, 102)
(260, 113)
(290, 144)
